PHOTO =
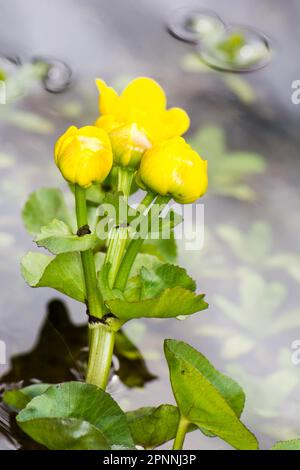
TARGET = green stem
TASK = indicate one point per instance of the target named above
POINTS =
(148, 199)
(180, 433)
(102, 340)
(126, 265)
(125, 177)
(115, 251)
(119, 235)
(135, 245)
(94, 299)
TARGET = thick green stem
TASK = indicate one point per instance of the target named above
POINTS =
(135, 245)
(102, 340)
(180, 433)
(119, 234)
(94, 299)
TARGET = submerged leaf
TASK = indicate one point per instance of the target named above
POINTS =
(227, 170)
(293, 444)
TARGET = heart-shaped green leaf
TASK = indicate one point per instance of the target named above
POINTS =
(63, 273)
(151, 427)
(75, 415)
(205, 397)
(58, 238)
(42, 207)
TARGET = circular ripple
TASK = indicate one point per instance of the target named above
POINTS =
(58, 76)
(194, 26)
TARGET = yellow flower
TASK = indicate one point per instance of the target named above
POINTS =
(84, 155)
(143, 104)
(173, 168)
(128, 145)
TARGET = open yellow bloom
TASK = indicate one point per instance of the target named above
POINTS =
(142, 104)
(84, 155)
(173, 168)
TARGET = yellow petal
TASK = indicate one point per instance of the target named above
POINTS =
(176, 122)
(108, 99)
(60, 143)
(107, 122)
(172, 123)
(93, 131)
(144, 93)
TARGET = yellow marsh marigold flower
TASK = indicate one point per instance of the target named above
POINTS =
(84, 155)
(173, 168)
(142, 104)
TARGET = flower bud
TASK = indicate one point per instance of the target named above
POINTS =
(84, 155)
(128, 145)
(173, 168)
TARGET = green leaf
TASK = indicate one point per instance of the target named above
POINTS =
(133, 370)
(19, 398)
(133, 290)
(205, 397)
(165, 292)
(58, 238)
(144, 260)
(63, 273)
(165, 276)
(164, 248)
(75, 415)
(171, 303)
(293, 444)
(151, 427)
(42, 207)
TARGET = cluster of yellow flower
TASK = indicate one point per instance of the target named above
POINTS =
(135, 131)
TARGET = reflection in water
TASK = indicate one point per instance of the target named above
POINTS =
(58, 76)
(54, 356)
(194, 26)
(229, 48)
(59, 355)
(237, 49)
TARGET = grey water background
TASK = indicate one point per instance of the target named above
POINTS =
(120, 39)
